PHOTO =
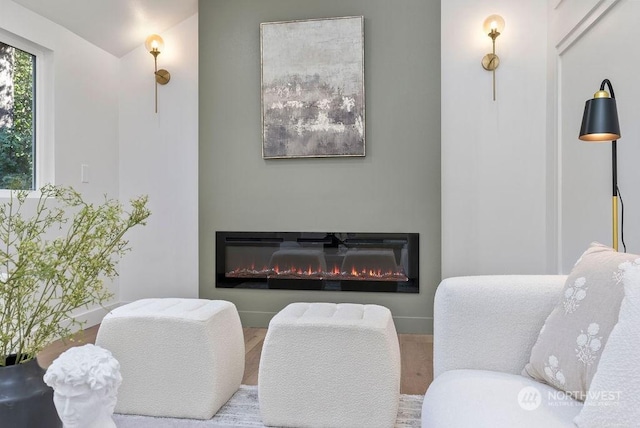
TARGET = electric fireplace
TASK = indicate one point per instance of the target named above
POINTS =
(332, 261)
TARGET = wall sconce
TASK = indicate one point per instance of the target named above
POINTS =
(493, 26)
(600, 124)
(155, 45)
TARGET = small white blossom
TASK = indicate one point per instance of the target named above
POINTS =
(548, 372)
(582, 340)
(553, 372)
(574, 294)
(595, 345)
(588, 344)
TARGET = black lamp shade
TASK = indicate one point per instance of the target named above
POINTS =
(600, 120)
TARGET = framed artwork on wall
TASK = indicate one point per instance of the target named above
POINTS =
(312, 75)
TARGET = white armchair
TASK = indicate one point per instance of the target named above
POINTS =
(484, 329)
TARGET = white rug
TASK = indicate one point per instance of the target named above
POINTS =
(242, 411)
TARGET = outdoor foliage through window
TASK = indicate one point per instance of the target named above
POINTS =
(17, 101)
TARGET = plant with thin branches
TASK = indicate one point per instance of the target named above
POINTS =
(56, 251)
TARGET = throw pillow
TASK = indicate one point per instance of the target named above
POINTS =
(612, 400)
(570, 343)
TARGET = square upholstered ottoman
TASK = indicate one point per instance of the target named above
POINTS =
(330, 365)
(181, 358)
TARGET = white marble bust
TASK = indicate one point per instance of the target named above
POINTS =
(85, 382)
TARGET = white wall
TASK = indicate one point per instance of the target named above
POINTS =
(83, 114)
(159, 158)
(102, 116)
(84, 129)
(493, 152)
(590, 41)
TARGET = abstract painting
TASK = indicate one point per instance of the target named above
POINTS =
(313, 88)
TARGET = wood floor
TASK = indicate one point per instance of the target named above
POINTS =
(416, 351)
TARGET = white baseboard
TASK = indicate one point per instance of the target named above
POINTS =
(94, 316)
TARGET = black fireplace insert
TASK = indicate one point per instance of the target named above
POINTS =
(332, 261)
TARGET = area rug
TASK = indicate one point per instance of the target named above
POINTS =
(242, 411)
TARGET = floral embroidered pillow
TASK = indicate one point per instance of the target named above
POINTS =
(568, 349)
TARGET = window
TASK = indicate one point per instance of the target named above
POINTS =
(17, 118)
(26, 114)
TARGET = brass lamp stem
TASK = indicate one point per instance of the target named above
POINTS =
(155, 54)
(493, 42)
(615, 222)
(161, 76)
(491, 61)
(155, 73)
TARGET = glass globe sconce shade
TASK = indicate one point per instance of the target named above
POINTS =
(493, 24)
(154, 44)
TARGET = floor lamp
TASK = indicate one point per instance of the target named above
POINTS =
(600, 123)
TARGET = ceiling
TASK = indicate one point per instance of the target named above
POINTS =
(117, 26)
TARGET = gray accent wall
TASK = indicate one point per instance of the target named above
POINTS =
(395, 188)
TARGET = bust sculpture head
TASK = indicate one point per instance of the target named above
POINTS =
(85, 381)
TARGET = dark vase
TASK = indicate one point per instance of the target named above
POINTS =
(25, 400)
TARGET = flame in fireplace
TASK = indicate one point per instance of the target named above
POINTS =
(335, 274)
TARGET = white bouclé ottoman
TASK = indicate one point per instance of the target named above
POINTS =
(181, 358)
(330, 365)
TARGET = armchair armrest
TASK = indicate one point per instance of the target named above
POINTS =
(491, 322)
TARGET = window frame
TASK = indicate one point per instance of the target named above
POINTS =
(44, 161)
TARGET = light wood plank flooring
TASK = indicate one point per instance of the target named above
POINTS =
(416, 351)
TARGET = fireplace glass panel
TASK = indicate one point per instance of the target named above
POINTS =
(318, 261)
